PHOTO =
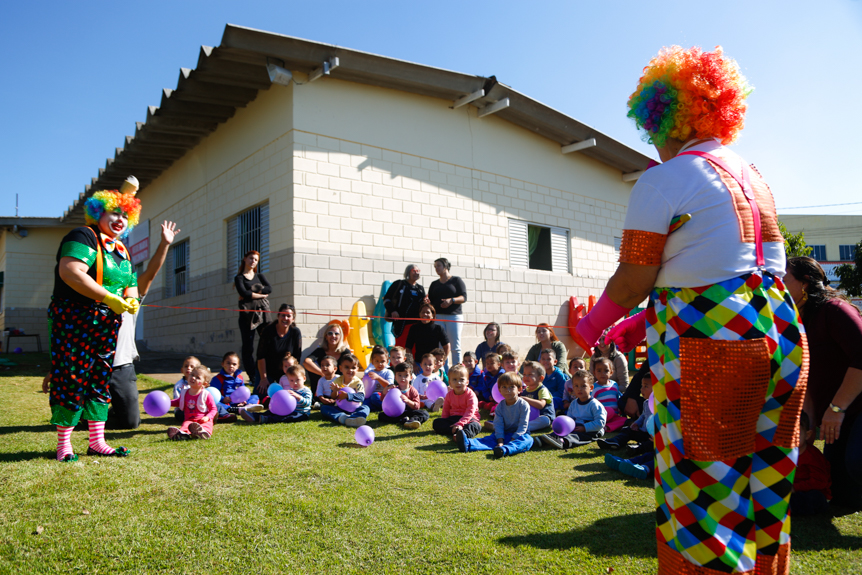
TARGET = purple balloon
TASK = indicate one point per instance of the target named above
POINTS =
(347, 405)
(436, 390)
(563, 425)
(240, 394)
(495, 393)
(364, 435)
(534, 413)
(282, 403)
(157, 403)
(393, 405)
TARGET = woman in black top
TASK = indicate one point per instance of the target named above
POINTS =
(276, 339)
(402, 300)
(446, 295)
(426, 335)
(253, 290)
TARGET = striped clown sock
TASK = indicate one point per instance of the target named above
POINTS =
(64, 442)
(97, 438)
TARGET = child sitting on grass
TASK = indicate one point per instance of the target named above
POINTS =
(460, 407)
(397, 354)
(293, 381)
(228, 380)
(347, 388)
(421, 381)
(329, 367)
(413, 416)
(813, 482)
(607, 392)
(486, 382)
(637, 431)
(555, 378)
(538, 396)
(510, 361)
(189, 364)
(588, 413)
(377, 377)
(439, 362)
(199, 408)
(568, 392)
(511, 418)
(471, 362)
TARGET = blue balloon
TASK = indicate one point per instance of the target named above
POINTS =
(273, 389)
(215, 393)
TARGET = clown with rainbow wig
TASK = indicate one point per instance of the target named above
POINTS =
(727, 350)
(94, 283)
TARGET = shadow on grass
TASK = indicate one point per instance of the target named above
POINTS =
(26, 456)
(818, 533)
(602, 537)
(27, 429)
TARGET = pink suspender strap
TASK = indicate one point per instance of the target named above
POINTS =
(747, 191)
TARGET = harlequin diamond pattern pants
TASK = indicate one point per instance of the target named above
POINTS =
(83, 341)
(729, 363)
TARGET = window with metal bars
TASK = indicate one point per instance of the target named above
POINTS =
(177, 265)
(246, 232)
(847, 252)
(818, 252)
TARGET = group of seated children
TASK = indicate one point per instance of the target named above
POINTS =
(530, 403)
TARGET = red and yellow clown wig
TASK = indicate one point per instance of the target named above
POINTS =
(112, 201)
(685, 93)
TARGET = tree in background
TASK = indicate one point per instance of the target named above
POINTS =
(851, 275)
(794, 244)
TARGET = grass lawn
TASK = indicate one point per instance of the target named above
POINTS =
(303, 498)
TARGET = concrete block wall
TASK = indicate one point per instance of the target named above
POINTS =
(362, 213)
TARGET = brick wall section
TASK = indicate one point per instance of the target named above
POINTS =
(362, 213)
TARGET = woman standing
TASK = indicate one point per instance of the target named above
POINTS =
(547, 339)
(253, 290)
(446, 295)
(726, 346)
(332, 345)
(94, 283)
(402, 300)
(834, 398)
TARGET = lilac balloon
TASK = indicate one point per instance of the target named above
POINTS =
(215, 393)
(436, 390)
(495, 393)
(157, 403)
(282, 403)
(563, 425)
(369, 385)
(364, 435)
(240, 394)
(347, 405)
(534, 413)
(393, 405)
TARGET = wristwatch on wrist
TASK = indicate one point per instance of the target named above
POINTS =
(836, 409)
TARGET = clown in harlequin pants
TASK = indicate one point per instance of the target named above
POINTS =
(83, 340)
(730, 365)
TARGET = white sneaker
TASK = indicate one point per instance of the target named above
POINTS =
(354, 421)
(254, 408)
(412, 424)
(438, 405)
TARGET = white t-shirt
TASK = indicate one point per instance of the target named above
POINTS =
(707, 249)
(324, 386)
(420, 382)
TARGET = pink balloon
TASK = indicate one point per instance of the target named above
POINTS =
(364, 435)
(393, 406)
(534, 413)
(563, 425)
(157, 403)
(436, 390)
(282, 403)
(240, 394)
(495, 393)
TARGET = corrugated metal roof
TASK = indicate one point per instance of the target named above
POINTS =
(229, 77)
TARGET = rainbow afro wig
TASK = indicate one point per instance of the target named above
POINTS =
(685, 93)
(111, 201)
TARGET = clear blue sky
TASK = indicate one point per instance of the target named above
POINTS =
(76, 76)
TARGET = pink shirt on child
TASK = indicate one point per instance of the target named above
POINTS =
(190, 406)
(466, 405)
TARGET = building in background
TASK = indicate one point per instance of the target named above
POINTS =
(341, 168)
(833, 238)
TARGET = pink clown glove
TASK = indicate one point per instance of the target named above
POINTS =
(604, 314)
(628, 333)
